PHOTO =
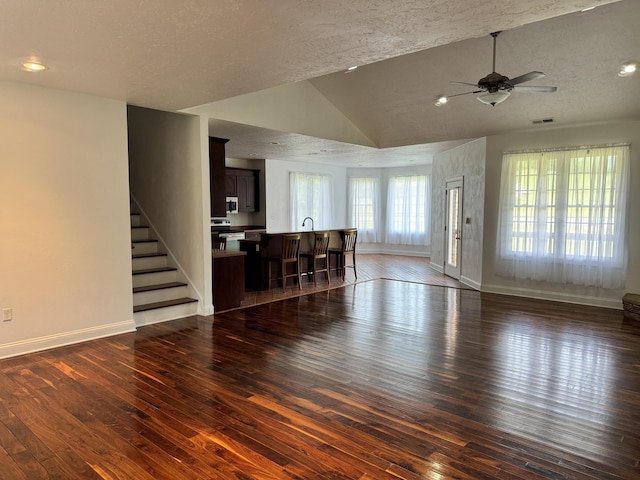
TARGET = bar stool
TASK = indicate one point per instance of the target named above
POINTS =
(349, 237)
(318, 254)
(290, 255)
(218, 242)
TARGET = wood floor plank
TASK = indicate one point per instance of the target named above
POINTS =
(411, 377)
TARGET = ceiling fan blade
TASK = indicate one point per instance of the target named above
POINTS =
(526, 78)
(466, 83)
(534, 89)
(465, 93)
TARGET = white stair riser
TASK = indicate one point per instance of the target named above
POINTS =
(153, 296)
(154, 278)
(139, 234)
(145, 247)
(135, 220)
(165, 314)
(149, 262)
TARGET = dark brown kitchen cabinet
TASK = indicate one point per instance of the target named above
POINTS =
(217, 176)
(228, 279)
(243, 183)
(247, 192)
(231, 185)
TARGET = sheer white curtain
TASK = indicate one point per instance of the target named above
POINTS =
(310, 195)
(408, 207)
(364, 207)
(563, 216)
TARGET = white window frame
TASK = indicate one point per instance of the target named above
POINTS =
(364, 207)
(408, 210)
(563, 215)
(311, 195)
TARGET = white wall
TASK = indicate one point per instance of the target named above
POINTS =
(169, 155)
(65, 237)
(467, 161)
(277, 192)
(586, 135)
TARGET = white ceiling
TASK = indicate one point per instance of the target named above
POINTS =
(173, 56)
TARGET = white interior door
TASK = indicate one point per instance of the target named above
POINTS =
(453, 227)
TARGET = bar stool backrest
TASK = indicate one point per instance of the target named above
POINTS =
(218, 242)
(290, 246)
(349, 240)
(321, 244)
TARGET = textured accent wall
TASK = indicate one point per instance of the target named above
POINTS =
(467, 161)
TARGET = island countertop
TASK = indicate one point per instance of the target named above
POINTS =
(227, 253)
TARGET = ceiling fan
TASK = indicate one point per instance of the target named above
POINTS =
(496, 88)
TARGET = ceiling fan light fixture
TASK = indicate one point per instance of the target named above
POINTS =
(628, 68)
(440, 100)
(492, 98)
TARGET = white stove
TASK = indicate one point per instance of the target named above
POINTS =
(224, 229)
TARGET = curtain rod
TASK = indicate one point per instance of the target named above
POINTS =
(565, 149)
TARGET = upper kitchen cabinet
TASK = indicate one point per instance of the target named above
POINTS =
(217, 176)
(244, 184)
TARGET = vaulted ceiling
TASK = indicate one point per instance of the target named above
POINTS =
(271, 74)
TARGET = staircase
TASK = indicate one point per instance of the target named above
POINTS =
(158, 294)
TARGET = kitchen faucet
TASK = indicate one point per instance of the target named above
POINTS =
(305, 220)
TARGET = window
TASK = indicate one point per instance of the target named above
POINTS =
(562, 216)
(364, 203)
(311, 196)
(408, 210)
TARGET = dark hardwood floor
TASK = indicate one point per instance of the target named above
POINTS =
(383, 379)
(369, 267)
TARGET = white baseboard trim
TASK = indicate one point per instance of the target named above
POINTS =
(378, 249)
(470, 283)
(436, 267)
(615, 303)
(67, 338)
(206, 311)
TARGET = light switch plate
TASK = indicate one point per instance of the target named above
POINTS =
(7, 314)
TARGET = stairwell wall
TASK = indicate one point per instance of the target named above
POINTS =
(169, 177)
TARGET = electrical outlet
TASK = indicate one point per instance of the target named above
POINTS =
(7, 314)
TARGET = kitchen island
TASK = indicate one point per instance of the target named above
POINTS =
(258, 250)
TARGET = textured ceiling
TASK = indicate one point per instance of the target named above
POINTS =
(173, 55)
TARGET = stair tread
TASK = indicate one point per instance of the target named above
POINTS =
(154, 270)
(148, 255)
(159, 286)
(145, 240)
(165, 303)
(139, 226)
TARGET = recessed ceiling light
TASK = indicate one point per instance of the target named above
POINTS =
(628, 68)
(33, 66)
